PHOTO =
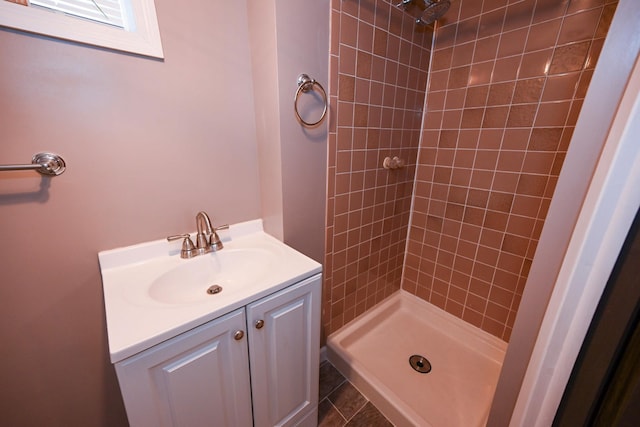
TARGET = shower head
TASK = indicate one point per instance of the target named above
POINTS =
(434, 10)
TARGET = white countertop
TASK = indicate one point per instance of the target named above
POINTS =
(136, 321)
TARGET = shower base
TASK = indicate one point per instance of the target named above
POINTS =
(373, 352)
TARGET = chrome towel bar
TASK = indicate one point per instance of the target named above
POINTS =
(305, 84)
(45, 163)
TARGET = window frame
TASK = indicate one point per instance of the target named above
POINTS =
(140, 36)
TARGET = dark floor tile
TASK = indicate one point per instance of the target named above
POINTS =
(341, 401)
(328, 415)
(369, 416)
(330, 379)
(347, 399)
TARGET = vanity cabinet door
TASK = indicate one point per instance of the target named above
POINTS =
(284, 344)
(199, 378)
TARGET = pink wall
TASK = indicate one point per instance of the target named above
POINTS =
(148, 143)
(507, 83)
(292, 158)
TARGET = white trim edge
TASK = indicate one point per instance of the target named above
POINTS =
(143, 37)
(608, 211)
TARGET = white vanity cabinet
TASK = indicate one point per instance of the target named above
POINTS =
(198, 378)
(284, 351)
(257, 365)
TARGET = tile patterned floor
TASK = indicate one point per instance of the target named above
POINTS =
(341, 404)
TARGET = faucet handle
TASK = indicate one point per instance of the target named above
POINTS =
(189, 250)
(179, 236)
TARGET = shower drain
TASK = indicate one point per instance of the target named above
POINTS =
(420, 364)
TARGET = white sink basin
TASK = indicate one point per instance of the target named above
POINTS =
(228, 269)
(151, 294)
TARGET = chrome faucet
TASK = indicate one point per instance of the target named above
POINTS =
(205, 231)
(207, 239)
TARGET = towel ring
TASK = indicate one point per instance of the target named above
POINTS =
(305, 84)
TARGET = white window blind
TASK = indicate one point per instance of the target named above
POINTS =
(105, 11)
(132, 25)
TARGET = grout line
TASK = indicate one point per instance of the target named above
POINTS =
(344, 420)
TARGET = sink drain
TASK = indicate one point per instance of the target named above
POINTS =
(420, 364)
(214, 289)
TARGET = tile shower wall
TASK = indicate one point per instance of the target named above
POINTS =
(507, 81)
(378, 77)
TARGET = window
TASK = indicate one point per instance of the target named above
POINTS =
(108, 12)
(126, 25)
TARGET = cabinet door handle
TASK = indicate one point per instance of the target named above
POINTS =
(259, 324)
(238, 335)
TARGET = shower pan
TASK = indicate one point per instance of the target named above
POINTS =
(418, 364)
